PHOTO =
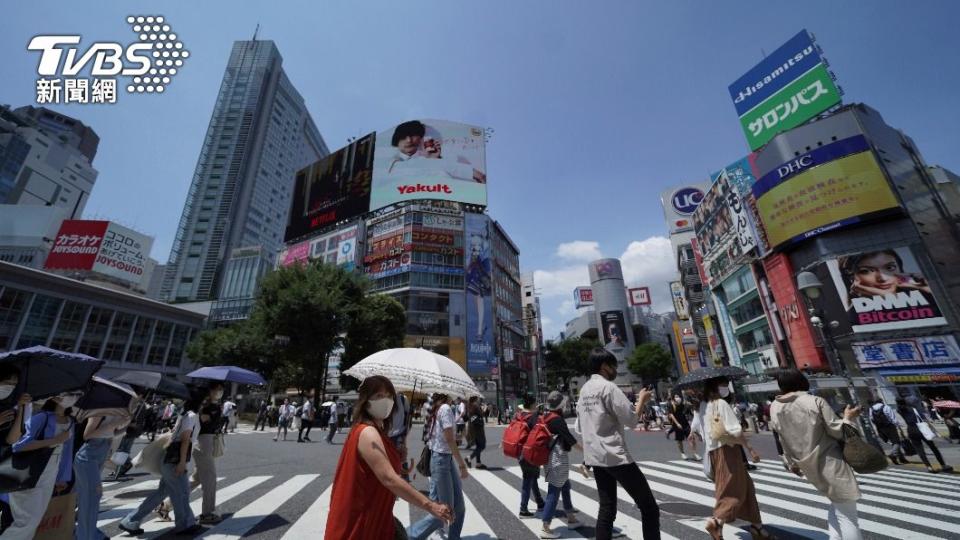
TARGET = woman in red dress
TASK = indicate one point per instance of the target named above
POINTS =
(368, 481)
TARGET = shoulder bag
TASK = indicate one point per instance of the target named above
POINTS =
(423, 464)
(218, 445)
(172, 453)
(924, 427)
(21, 470)
(718, 430)
(862, 456)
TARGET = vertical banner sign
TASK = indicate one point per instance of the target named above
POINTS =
(614, 330)
(787, 88)
(479, 281)
(679, 301)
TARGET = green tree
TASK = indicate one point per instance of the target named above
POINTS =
(310, 307)
(651, 362)
(380, 323)
(567, 359)
(238, 345)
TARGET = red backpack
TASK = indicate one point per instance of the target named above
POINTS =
(516, 435)
(536, 450)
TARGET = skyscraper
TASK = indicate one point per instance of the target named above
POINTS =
(259, 135)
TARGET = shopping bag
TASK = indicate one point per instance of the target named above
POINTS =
(150, 458)
(119, 458)
(218, 445)
(57, 522)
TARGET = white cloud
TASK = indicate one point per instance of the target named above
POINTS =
(650, 263)
(579, 250)
(561, 281)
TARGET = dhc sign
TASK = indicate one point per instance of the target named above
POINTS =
(685, 200)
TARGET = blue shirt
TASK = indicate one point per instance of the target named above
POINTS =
(47, 421)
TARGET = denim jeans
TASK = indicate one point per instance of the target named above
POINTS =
(530, 476)
(173, 486)
(553, 495)
(445, 485)
(86, 471)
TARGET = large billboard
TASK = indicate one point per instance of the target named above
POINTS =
(582, 297)
(338, 248)
(479, 282)
(788, 87)
(430, 159)
(836, 185)
(614, 330)
(332, 190)
(679, 300)
(679, 204)
(885, 290)
(102, 247)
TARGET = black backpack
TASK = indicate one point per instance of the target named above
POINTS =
(880, 419)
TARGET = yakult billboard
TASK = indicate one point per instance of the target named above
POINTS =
(103, 247)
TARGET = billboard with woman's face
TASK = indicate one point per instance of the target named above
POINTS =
(614, 329)
(430, 159)
(885, 290)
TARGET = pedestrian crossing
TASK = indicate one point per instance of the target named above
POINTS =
(896, 504)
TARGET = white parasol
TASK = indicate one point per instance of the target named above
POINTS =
(417, 370)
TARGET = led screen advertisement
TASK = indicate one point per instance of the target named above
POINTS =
(885, 290)
(332, 190)
(479, 285)
(614, 330)
(836, 185)
(430, 159)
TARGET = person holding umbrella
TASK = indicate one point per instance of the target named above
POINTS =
(51, 428)
(203, 457)
(13, 409)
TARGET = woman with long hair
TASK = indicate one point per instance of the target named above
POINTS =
(475, 428)
(173, 477)
(205, 475)
(810, 434)
(735, 495)
(52, 427)
(367, 481)
(98, 437)
(444, 479)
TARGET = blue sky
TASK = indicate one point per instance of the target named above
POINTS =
(596, 106)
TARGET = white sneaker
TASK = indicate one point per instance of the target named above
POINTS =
(697, 457)
(548, 534)
(683, 456)
(575, 524)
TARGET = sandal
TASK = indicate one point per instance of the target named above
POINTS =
(164, 511)
(715, 528)
(760, 533)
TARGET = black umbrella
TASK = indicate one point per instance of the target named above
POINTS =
(698, 377)
(106, 394)
(155, 382)
(48, 372)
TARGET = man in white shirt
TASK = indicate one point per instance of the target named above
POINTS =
(229, 414)
(886, 422)
(332, 422)
(602, 412)
(461, 420)
(285, 416)
(306, 421)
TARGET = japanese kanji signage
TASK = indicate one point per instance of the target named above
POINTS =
(787, 88)
(885, 290)
(102, 247)
(836, 185)
(919, 351)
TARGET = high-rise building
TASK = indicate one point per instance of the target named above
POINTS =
(45, 159)
(259, 135)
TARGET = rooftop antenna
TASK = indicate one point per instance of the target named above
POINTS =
(256, 31)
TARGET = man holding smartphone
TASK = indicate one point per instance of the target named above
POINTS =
(602, 412)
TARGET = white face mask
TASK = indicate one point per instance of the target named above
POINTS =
(68, 401)
(724, 391)
(6, 390)
(216, 395)
(380, 408)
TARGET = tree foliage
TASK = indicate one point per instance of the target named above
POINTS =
(567, 359)
(237, 345)
(651, 362)
(381, 323)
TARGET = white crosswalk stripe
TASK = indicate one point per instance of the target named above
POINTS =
(896, 504)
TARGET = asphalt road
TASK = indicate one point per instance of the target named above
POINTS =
(273, 490)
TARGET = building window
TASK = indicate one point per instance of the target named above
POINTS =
(39, 322)
(68, 330)
(119, 335)
(141, 335)
(747, 311)
(158, 349)
(181, 336)
(96, 331)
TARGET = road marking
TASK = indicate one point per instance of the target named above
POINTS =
(313, 523)
(112, 494)
(761, 484)
(474, 526)
(117, 513)
(249, 516)
(729, 531)
(503, 492)
(802, 509)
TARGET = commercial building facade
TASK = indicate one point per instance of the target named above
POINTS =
(259, 135)
(125, 330)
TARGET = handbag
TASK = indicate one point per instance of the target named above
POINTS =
(172, 453)
(423, 464)
(151, 457)
(924, 427)
(862, 456)
(218, 445)
(718, 430)
(21, 470)
(119, 458)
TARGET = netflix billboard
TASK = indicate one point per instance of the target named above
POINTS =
(101, 247)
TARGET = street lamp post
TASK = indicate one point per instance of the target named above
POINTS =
(811, 287)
